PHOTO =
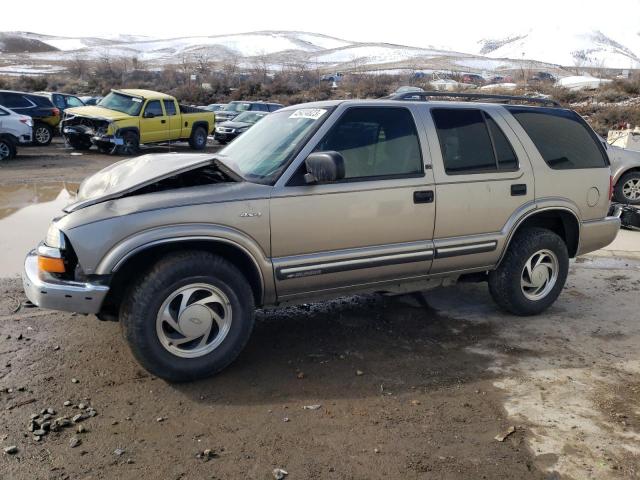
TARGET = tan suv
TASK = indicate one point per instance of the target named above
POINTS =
(320, 200)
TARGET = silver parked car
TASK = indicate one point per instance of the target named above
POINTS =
(320, 200)
(625, 169)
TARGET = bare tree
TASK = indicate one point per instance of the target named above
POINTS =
(78, 67)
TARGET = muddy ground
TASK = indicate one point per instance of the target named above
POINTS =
(409, 387)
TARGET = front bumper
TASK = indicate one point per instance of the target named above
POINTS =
(596, 234)
(91, 134)
(48, 292)
(225, 137)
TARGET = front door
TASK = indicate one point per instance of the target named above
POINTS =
(153, 123)
(375, 225)
(483, 178)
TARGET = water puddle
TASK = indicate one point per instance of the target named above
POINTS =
(25, 214)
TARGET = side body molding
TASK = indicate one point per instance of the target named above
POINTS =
(145, 239)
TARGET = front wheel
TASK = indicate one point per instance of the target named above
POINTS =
(79, 143)
(188, 317)
(532, 272)
(130, 144)
(42, 134)
(627, 190)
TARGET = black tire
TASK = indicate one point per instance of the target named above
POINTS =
(8, 149)
(198, 139)
(79, 143)
(42, 134)
(222, 142)
(131, 144)
(505, 281)
(106, 149)
(618, 191)
(142, 304)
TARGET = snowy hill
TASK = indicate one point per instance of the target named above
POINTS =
(568, 48)
(542, 48)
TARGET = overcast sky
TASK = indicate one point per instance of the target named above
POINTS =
(456, 24)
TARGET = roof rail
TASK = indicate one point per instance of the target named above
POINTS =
(473, 96)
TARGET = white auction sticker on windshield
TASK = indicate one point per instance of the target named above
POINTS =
(137, 100)
(312, 113)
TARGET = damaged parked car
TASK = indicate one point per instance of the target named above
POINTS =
(126, 119)
(321, 200)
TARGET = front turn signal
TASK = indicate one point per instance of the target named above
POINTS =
(51, 265)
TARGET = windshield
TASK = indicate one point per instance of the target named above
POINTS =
(260, 154)
(237, 107)
(122, 103)
(249, 117)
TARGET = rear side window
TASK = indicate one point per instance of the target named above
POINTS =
(375, 142)
(562, 138)
(169, 107)
(471, 142)
(15, 100)
(274, 106)
(40, 100)
(260, 107)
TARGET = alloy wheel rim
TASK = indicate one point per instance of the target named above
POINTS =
(631, 189)
(194, 320)
(539, 275)
(5, 152)
(42, 135)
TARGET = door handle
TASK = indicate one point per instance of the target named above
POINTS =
(518, 189)
(423, 196)
(163, 121)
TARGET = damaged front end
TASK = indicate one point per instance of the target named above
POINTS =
(82, 132)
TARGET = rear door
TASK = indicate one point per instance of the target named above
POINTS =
(376, 225)
(153, 123)
(570, 160)
(483, 178)
(173, 118)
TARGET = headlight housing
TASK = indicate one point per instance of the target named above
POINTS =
(54, 238)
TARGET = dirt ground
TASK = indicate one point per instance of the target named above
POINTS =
(57, 163)
(408, 387)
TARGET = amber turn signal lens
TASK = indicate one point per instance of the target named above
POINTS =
(51, 265)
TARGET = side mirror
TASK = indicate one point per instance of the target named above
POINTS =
(149, 115)
(324, 167)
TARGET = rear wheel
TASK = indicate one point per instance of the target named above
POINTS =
(131, 144)
(627, 189)
(8, 148)
(198, 140)
(189, 317)
(42, 134)
(532, 272)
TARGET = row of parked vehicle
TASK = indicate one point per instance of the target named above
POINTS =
(30, 118)
(119, 122)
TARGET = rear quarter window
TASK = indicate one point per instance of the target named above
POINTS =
(562, 137)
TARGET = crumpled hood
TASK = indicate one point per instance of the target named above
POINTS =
(97, 112)
(128, 175)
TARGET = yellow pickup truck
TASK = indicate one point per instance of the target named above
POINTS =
(125, 119)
